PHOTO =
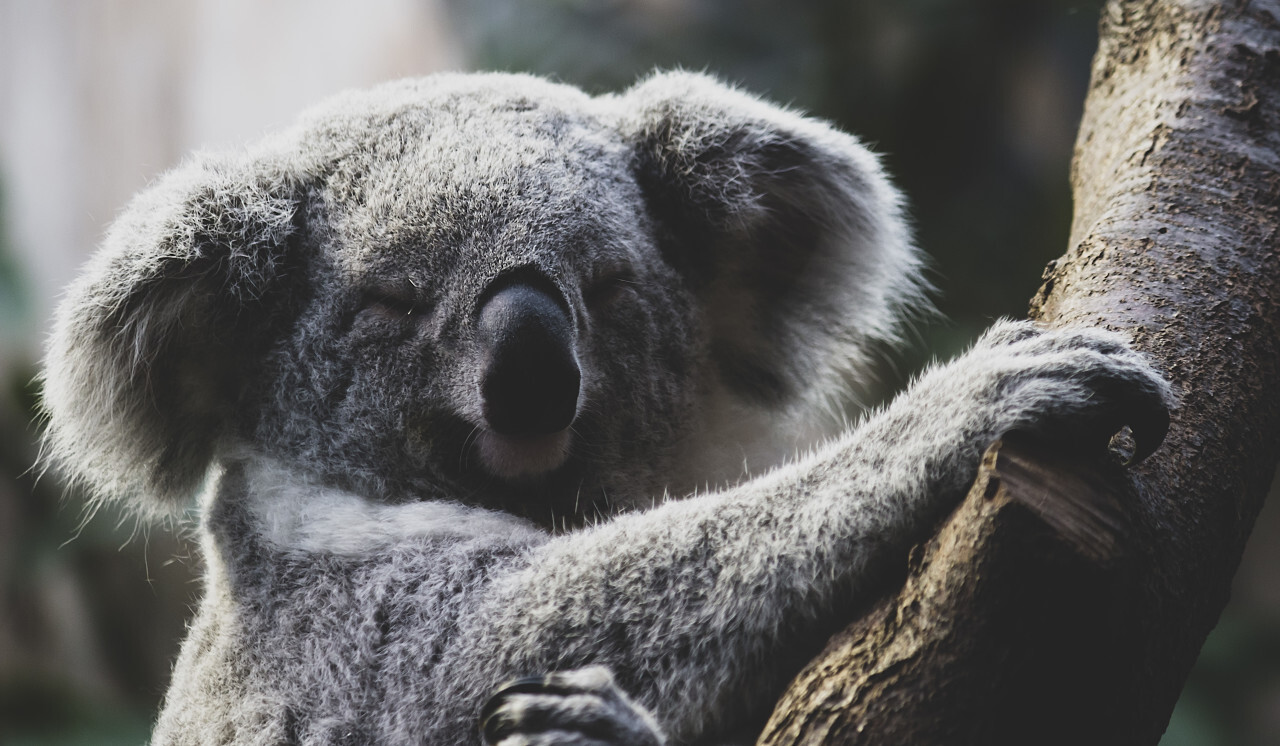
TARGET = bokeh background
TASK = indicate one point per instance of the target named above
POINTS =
(973, 102)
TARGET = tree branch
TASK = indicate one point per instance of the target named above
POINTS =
(1067, 603)
(1011, 611)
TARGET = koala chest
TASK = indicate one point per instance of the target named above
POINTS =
(335, 649)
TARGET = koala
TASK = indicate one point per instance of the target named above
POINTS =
(520, 416)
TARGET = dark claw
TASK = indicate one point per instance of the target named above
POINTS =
(1142, 405)
(1149, 428)
(493, 729)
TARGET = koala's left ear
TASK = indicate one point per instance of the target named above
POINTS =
(787, 228)
(153, 343)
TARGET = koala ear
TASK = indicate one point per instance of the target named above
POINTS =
(152, 343)
(787, 228)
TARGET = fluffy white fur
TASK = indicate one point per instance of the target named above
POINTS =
(293, 513)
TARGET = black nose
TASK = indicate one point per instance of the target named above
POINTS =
(530, 380)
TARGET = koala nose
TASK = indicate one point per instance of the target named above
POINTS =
(529, 385)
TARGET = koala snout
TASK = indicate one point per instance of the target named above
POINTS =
(530, 377)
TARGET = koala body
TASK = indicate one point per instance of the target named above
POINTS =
(479, 377)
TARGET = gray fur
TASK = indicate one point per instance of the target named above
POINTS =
(290, 331)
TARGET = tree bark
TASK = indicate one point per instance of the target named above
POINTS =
(1066, 600)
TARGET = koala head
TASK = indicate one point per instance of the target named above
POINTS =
(489, 289)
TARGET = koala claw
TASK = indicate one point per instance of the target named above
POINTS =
(575, 708)
(1084, 384)
(1150, 425)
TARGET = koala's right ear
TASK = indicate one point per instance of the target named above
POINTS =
(786, 228)
(152, 344)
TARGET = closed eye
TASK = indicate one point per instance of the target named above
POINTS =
(610, 287)
(389, 305)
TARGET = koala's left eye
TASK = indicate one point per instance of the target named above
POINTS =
(388, 305)
(609, 288)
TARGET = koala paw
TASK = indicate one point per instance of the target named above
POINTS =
(1069, 384)
(574, 708)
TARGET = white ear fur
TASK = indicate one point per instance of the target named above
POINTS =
(141, 368)
(794, 238)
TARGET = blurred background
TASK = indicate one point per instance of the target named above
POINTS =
(973, 102)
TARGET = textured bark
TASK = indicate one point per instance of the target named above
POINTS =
(1078, 622)
(1003, 624)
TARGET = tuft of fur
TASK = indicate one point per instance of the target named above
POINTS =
(807, 267)
(291, 332)
(138, 380)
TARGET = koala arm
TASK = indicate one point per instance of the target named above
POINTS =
(746, 584)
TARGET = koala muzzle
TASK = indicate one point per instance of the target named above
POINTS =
(530, 378)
